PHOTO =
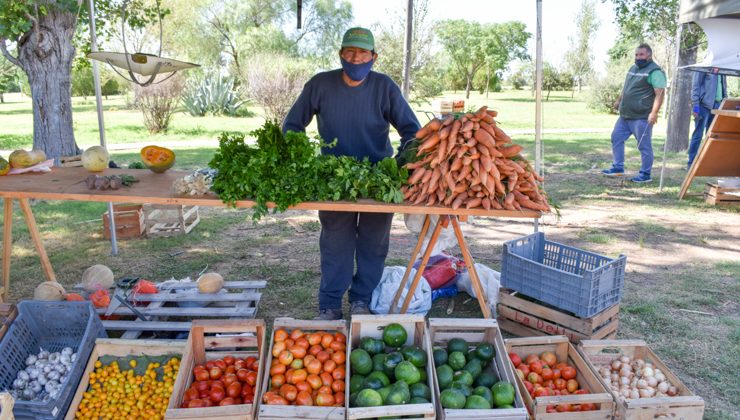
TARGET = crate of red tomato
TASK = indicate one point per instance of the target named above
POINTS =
(220, 370)
(306, 371)
(555, 381)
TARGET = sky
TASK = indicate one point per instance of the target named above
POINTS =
(558, 20)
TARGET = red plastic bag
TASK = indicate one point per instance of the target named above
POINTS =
(440, 270)
(145, 287)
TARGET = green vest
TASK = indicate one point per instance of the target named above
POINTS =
(638, 95)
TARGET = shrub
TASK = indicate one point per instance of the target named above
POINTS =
(158, 102)
(212, 95)
(605, 90)
(274, 81)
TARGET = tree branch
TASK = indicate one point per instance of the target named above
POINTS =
(7, 54)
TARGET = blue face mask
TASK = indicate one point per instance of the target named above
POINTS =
(357, 72)
(641, 63)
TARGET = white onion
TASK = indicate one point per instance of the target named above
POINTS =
(67, 351)
(648, 372)
(634, 395)
(625, 381)
(616, 364)
(625, 372)
(642, 384)
(31, 359)
(624, 359)
(647, 392)
(663, 387)
(659, 375)
(652, 382)
(640, 362)
(605, 372)
(672, 391)
(625, 392)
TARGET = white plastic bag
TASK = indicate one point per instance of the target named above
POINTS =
(446, 239)
(490, 281)
(384, 293)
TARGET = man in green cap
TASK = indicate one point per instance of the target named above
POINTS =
(355, 106)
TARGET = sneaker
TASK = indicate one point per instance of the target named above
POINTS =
(359, 308)
(641, 178)
(329, 315)
(613, 172)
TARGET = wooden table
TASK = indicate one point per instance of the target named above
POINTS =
(68, 184)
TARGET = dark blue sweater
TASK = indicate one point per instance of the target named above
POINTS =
(358, 117)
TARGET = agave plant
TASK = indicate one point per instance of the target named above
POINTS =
(212, 95)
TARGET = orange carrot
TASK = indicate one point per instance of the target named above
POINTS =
(427, 177)
(449, 120)
(441, 149)
(456, 164)
(492, 113)
(482, 136)
(474, 156)
(472, 203)
(500, 135)
(431, 127)
(428, 143)
(468, 134)
(444, 132)
(468, 126)
(483, 149)
(486, 161)
(457, 203)
(417, 175)
(511, 151)
(486, 203)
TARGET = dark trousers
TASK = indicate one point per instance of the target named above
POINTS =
(701, 124)
(347, 237)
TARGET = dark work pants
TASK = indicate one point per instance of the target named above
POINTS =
(346, 237)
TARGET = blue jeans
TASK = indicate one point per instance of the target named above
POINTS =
(701, 124)
(346, 237)
(643, 132)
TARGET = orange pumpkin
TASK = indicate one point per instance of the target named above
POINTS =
(157, 159)
(101, 298)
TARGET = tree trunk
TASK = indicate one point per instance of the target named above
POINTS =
(468, 86)
(679, 111)
(45, 53)
(488, 79)
(2, 98)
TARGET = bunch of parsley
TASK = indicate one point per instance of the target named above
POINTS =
(288, 169)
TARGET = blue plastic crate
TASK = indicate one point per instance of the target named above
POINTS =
(51, 326)
(568, 278)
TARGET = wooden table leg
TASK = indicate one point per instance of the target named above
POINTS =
(36, 238)
(423, 264)
(474, 279)
(417, 248)
(7, 247)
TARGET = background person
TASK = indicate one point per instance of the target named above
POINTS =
(707, 92)
(639, 104)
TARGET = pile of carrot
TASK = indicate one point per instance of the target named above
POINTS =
(468, 161)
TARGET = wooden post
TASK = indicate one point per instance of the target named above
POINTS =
(417, 248)
(424, 260)
(36, 238)
(474, 279)
(7, 247)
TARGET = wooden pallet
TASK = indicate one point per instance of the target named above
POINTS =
(122, 348)
(442, 330)
(211, 340)
(372, 326)
(8, 312)
(6, 406)
(282, 412)
(242, 301)
(162, 220)
(721, 196)
(564, 351)
(525, 318)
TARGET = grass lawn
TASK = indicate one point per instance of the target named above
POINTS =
(682, 285)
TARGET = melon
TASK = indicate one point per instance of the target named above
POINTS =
(49, 290)
(210, 283)
(97, 277)
(95, 159)
(24, 159)
(4, 166)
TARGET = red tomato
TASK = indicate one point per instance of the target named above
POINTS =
(196, 403)
(541, 392)
(515, 359)
(227, 401)
(571, 385)
(234, 389)
(230, 369)
(215, 372)
(560, 383)
(531, 358)
(555, 373)
(209, 364)
(534, 378)
(325, 399)
(241, 375)
(252, 378)
(217, 394)
(240, 364)
(201, 375)
(568, 372)
(220, 363)
(581, 392)
(201, 385)
(551, 409)
(549, 384)
(229, 360)
(548, 358)
(289, 392)
(246, 389)
(563, 408)
(546, 374)
(230, 379)
(190, 394)
(536, 367)
(525, 369)
(529, 386)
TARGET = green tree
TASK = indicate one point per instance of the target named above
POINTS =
(45, 36)
(8, 78)
(324, 23)
(472, 46)
(82, 82)
(425, 64)
(580, 58)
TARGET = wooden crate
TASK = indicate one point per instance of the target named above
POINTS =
(241, 301)
(70, 161)
(442, 330)
(525, 318)
(721, 196)
(8, 312)
(129, 220)
(237, 337)
(372, 326)
(6, 406)
(121, 348)
(564, 350)
(278, 412)
(685, 406)
(164, 220)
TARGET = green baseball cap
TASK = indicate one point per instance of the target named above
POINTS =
(360, 38)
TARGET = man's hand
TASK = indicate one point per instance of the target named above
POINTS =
(695, 111)
(653, 118)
